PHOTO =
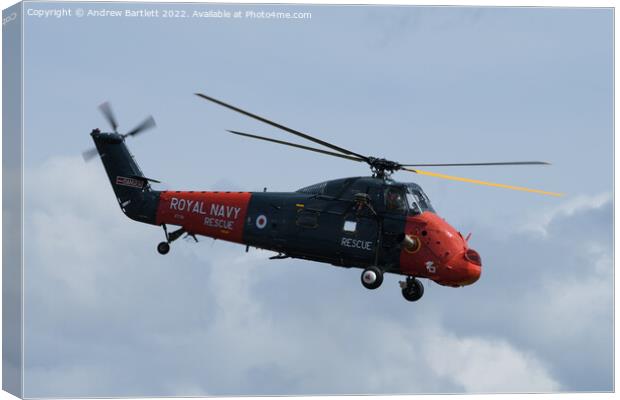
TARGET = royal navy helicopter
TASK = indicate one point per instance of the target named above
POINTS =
(374, 223)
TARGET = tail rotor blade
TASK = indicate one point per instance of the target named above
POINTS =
(148, 123)
(106, 110)
(478, 182)
(89, 154)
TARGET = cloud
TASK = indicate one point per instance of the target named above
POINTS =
(489, 366)
(540, 223)
(550, 290)
(107, 316)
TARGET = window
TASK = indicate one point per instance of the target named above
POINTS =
(394, 199)
(350, 226)
(417, 200)
(413, 200)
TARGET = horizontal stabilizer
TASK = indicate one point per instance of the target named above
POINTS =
(144, 178)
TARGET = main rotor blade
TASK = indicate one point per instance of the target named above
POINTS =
(329, 153)
(106, 110)
(475, 164)
(284, 128)
(89, 154)
(148, 123)
(500, 185)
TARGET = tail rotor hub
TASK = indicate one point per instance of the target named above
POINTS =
(108, 114)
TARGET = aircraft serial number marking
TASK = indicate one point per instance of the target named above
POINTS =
(131, 182)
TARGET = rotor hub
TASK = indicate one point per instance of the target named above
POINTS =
(382, 168)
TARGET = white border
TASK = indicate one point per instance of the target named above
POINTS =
(484, 3)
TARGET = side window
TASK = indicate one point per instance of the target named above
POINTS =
(395, 200)
(349, 226)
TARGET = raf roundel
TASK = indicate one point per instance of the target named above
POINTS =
(261, 221)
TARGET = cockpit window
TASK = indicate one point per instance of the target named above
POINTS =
(414, 201)
(417, 200)
(394, 199)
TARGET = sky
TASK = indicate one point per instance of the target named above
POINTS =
(105, 315)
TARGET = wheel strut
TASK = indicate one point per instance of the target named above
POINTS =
(164, 247)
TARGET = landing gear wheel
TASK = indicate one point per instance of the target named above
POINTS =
(413, 289)
(163, 248)
(372, 277)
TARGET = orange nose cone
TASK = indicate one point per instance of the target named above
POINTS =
(473, 273)
(473, 266)
(466, 269)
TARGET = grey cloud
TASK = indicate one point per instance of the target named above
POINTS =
(550, 294)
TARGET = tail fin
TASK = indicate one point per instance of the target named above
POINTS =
(132, 189)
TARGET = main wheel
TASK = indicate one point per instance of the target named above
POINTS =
(414, 290)
(372, 277)
(163, 248)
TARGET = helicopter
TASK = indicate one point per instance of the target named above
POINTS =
(372, 223)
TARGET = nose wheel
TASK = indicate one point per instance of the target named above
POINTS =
(372, 277)
(412, 289)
